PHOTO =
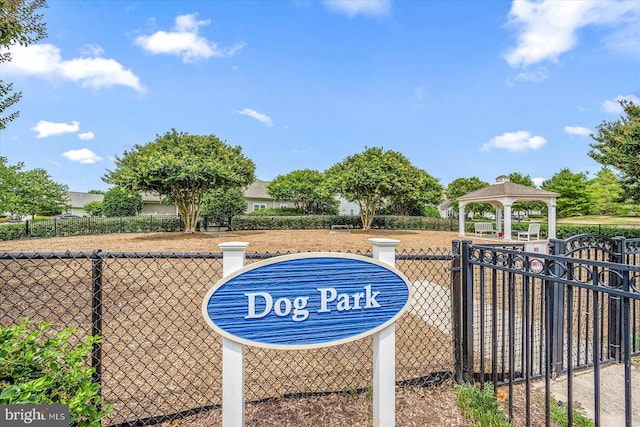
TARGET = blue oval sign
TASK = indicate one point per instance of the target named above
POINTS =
(306, 300)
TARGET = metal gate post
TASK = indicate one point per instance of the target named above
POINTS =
(456, 309)
(96, 314)
(462, 311)
(556, 305)
(615, 303)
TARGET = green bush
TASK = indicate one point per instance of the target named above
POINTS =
(37, 367)
(88, 226)
(276, 212)
(302, 222)
(12, 232)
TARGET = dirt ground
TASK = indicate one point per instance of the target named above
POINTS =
(416, 406)
(259, 241)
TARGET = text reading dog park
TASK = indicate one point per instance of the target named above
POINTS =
(330, 300)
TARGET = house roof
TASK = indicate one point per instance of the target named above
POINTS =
(257, 190)
(78, 200)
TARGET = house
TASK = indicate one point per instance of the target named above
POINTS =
(348, 208)
(78, 200)
(151, 204)
(446, 209)
(258, 198)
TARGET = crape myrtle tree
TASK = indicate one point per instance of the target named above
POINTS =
(420, 203)
(461, 186)
(19, 25)
(371, 177)
(305, 190)
(182, 167)
(617, 144)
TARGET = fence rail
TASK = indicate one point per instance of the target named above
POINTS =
(160, 361)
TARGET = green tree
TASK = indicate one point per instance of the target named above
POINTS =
(120, 201)
(222, 204)
(19, 25)
(8, 184)
(416, 203)
(572, 188)
(518, 178)
(461, 186)
(371, 177)
(304, 188)
(36, 193)
(182, 167)
(93, 208)
(617, 144)
(604, 192)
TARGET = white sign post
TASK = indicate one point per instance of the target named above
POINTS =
(384, 351)
(232, 351)
(270, 304)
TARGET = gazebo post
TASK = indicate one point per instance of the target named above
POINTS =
(498, 218)
(507, 221)
(551, 211)
(461, 219)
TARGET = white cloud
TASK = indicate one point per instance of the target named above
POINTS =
(613, 105)
(548, 28)
(185, 41)
(45, 61)
(538, 181)
(86, 136)
(83, 155)
(352, 8)
(46, 129)
(531, 77)
(256, 115)
(577, 130)
(515, 141)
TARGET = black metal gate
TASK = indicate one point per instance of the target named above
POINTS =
(521, 316)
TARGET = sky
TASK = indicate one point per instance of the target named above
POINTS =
(461, 88)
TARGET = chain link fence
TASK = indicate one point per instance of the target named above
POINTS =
(159, 359)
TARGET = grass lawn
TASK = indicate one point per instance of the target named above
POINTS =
(600, 219)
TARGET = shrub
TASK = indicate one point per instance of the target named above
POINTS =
(88, 226)
(275, 212)
(39, 369)
(119, 201)
(300, 222)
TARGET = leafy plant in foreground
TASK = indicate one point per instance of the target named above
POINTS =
(37, 367)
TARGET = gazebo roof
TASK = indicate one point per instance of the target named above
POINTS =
(505, 188)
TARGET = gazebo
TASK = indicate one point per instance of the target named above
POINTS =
(502, 195)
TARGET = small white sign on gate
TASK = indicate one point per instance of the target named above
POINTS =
(536, 265)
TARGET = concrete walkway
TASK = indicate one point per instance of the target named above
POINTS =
(611, 393)
(432, 302)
